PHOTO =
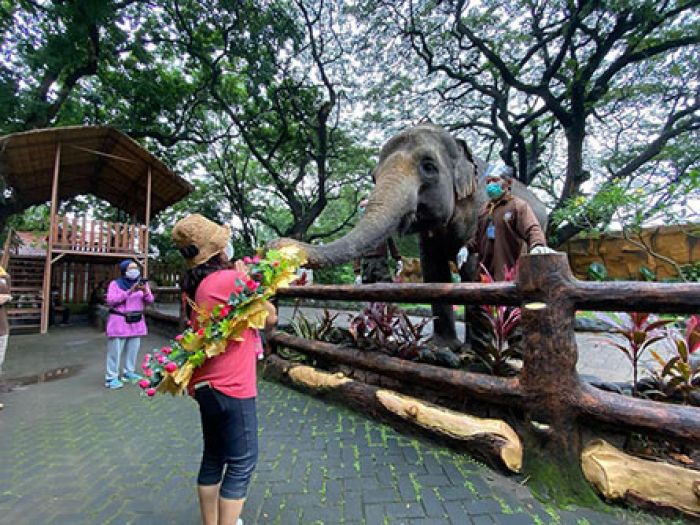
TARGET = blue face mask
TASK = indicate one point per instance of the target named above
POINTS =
(494, 190)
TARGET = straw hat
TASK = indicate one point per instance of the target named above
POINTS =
(199, 239)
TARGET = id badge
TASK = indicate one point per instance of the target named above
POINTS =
(491, 231)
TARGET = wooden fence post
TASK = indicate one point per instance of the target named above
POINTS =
(549, 380)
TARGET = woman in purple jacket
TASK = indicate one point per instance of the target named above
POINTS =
(127, 298)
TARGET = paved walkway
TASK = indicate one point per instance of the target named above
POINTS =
(72, 452)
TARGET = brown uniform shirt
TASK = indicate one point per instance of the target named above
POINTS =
(381, 250)
(4, 290)
(514, 226)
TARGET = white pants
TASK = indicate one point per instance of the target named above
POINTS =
(3, 347)
(115, 345)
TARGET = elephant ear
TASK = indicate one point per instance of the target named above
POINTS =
(465, 173)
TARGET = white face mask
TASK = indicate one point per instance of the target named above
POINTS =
(228, 251)
(132, 274)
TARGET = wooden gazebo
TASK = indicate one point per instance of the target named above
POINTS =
(55, 164)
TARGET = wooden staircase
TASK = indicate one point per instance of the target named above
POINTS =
(26, 277)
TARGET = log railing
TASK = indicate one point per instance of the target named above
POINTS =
(556, 405)
(98, 237)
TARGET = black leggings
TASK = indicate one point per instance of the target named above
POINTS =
(230, 430)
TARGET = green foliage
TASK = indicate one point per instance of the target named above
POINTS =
(679, 374)
(691, 272)
(597, 272)
(339, 274)
(647, 274)
(34, 219)
(303, 327)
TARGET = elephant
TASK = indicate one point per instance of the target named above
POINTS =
(429, 183)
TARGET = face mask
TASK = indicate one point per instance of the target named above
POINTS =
(132, 274)
(228, 251)
(494, 190)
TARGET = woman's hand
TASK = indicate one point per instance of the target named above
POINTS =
(240, 266)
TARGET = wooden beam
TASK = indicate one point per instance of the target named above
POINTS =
(632, 296)
(102, 153)
(46, 289)
(493, 389)
(635, 296)
(676, 421)
(148, 220)
(464, 293)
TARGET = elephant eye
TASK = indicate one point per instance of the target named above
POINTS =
(429, 167)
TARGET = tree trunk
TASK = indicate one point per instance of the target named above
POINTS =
(550, 382)
(575, 175)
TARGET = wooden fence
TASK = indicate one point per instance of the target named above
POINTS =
(556, 406)
(98, 237)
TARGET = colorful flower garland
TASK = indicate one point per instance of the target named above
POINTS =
(170, 368)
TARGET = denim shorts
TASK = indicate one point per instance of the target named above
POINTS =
(230, 430)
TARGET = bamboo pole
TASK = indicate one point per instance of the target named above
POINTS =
(46, 288)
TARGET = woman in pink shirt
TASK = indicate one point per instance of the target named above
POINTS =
(127, 298)
(225, 385)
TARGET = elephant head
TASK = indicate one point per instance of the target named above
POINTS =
(425, 180)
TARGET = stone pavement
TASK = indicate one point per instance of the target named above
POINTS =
(72, 452)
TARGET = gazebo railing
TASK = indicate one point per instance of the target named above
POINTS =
(90, 236)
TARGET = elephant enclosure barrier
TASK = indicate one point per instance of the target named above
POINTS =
(554, 407)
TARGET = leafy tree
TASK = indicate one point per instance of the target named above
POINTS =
(559, 83)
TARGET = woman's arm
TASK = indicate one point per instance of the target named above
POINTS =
(271, 320)
(148, 297)
(115, 295)
(5, 296)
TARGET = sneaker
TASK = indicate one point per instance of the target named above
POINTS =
(131, 377)
(239, 522)
(114, 384)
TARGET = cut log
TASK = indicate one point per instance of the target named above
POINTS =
(489, 439)
(457, 425)
(654, 484)
(309, 377)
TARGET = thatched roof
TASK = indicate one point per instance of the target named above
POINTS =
(96, 160)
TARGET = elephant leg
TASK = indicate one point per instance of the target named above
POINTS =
(434, 259)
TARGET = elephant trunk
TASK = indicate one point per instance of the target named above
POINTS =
(392, 204)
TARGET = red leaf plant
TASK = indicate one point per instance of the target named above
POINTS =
(678, 374)
(503, 321)
(639, 332)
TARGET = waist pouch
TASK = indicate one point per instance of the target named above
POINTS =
(129, 317)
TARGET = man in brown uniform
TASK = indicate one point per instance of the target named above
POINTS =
(373, 265)
(505, 226)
